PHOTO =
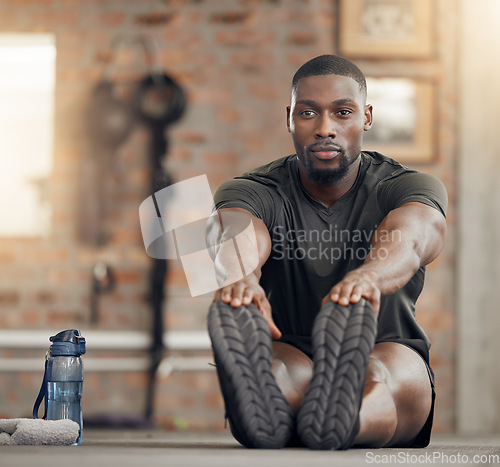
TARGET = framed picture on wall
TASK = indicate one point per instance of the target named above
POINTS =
(404, 119)
(386, 28)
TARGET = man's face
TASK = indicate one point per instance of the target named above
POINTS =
(326, 118)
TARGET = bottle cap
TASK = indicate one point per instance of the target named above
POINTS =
(68, 342)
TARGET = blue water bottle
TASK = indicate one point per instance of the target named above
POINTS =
(63, 379)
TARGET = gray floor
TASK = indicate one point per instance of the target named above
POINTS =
(159, 448)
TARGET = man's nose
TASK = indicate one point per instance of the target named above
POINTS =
(326, 127)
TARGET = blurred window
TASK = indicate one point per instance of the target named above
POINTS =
(27, 82)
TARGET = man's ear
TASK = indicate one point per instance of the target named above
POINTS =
(368, 117)
(288, 110)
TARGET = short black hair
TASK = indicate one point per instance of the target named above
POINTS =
(330, 65)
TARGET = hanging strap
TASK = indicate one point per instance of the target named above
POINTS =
(41, 394)
(147, 48)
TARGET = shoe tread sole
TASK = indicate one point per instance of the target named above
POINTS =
(258, 413)
(343, 338)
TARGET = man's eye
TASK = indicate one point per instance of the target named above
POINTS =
(345, 112)
(307, 113)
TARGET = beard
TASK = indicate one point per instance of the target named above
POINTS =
(327, 176)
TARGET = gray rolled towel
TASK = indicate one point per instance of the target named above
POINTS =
(29, 431)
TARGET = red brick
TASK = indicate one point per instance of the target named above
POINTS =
(176, 3)
(45, 297)
(55, 18)
(135, 379)
(126, 237)
(65, 317)
(228, 115)
(253, 62)
(324, 19)
(9, 297)
(205, 95)
(231, 17)
(302, 38)
(28, 3)
(12, 396)
(180, 38)
(7, 19)
(179, 154)
(31, 318)
(176, 277)
(178, 401)
(49, 256)
(436, 321)
(214, 400)
(262, 90)
(187, 135)
(221, 157)
(29, 380)
(244, 37)
(155, 18)
(8, 257)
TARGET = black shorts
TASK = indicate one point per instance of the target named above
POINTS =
(422, 440)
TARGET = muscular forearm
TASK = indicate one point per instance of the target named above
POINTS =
(236, 249)
(393, 259)
(239, 244)
(235, 258)
(408, 238)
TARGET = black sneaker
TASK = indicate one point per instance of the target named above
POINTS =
(259, 415)
(343, 338)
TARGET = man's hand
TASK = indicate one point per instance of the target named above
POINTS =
(355, 285)
(246, 291)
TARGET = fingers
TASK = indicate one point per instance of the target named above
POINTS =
(242, 293)
(352, 290)
(237, 294)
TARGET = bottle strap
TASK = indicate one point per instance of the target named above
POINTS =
(41, 395)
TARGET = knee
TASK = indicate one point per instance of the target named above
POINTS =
(378, 416)
(404, 375)
(387, 422)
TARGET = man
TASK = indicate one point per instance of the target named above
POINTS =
(319, 345)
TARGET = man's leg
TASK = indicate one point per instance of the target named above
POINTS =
(397, 394)
(258, 413)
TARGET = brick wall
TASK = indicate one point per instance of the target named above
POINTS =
(235, 60)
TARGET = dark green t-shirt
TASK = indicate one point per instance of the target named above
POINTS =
(313, 247)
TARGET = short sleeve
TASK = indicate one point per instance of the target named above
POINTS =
(253, 196)
(412, 187)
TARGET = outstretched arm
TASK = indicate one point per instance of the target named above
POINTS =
(409, 237)
(225, 225)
